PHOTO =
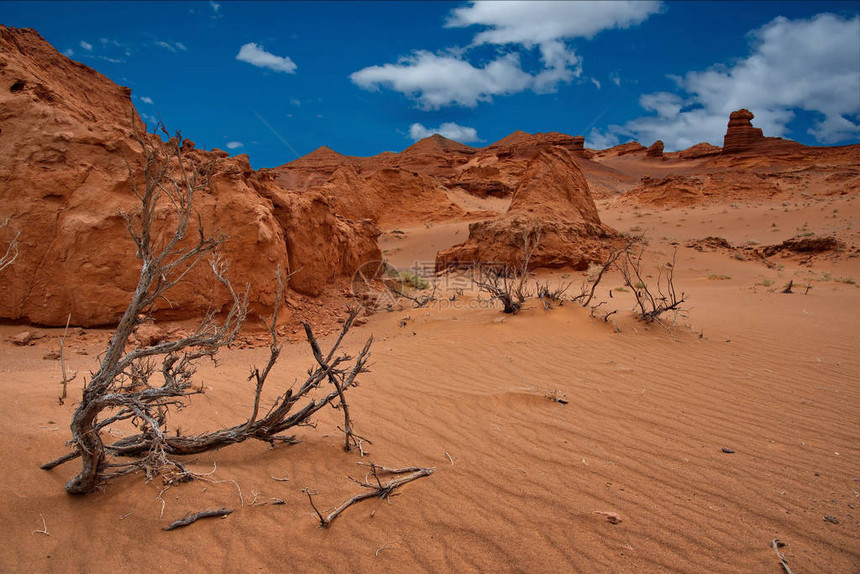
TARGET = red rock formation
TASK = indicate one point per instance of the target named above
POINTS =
(656, 149)
(699, 150)
(310, 170)
(622, 149)
(66, 135)
(388, 196)
(553, 196)
(740, 134)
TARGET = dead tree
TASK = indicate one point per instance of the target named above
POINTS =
(549, 295)
(11, 254)
(130, 385)
(508, 283)
(649, 305)
(585, 297)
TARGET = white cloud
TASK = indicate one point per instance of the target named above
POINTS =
(615, 77)
(86, 46)
(449, 130)
(234, 145)
(533, 22)
(216, 9)
(257, 56)
(69, 52)
(597, 139)
(172, 46)
(295, 102)
(146, 100)
(441, 80)
(596, 82)
(811, 65)
(449, 78)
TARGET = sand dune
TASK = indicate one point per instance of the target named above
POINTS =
(772, 377)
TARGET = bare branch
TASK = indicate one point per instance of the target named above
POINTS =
(192, 518)
(11, 253)
(379, 490)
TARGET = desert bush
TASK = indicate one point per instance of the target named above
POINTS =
(650, 304)
(141, 385)
(508, 284)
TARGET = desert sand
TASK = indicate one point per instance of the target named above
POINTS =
(772, 376)
(732, 424)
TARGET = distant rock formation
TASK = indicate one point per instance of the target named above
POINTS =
(388, 196)
(656, 149)
(552, 196)
(741, 134)
(697, 151)
(622, 149)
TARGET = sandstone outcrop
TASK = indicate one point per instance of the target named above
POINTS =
(741, 134)
(388, 196)
(66, 132)
(552, 196)
(656, 149)
(697, 151)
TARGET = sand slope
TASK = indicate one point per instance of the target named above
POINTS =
(774, 377)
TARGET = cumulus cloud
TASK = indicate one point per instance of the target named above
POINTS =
(811, 65)
(535, 22)
(256, 55)
(441, 80)
(449, 130)
(435, 80)
(86, 46)
(146, 100)
(234, 145)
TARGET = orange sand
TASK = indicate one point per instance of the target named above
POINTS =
(518, 479)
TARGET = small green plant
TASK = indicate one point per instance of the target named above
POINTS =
(716, 277)
(765, 282)
(413, 280)
(622, 289)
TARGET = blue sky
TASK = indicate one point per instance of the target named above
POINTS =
(277, 80)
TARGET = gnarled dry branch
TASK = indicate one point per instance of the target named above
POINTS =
(374, 490)
(126, 387)
(11, 253)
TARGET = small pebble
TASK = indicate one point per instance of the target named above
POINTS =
(728, 450)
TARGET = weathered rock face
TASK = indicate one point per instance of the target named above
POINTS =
(622, 149)
(656, 149)
(65, 135)
(320, 244)
(741, 134)
(310, 170)
(552, 196)
(388, 196)
(695, 152)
